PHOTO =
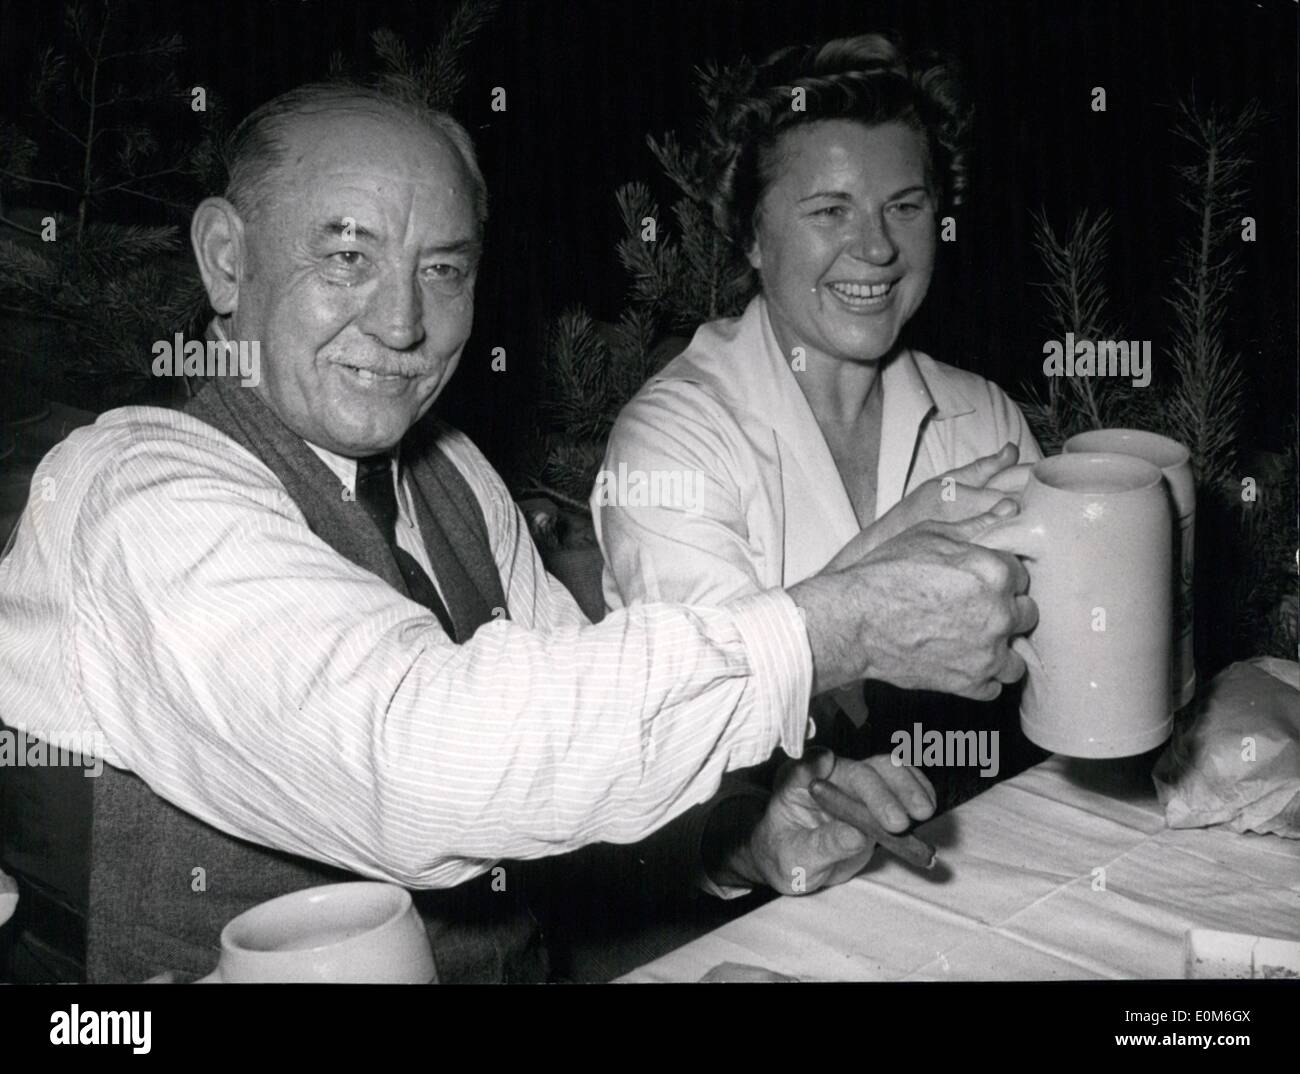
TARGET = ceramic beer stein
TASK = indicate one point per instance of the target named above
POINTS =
(364, 932)
(1094, 531)
(1175, 463)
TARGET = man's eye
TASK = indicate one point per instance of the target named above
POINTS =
(443, 272)
(906, 209)
(830, 212)
(348, 258)
(444, 278)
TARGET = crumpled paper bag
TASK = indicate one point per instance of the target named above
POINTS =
(1237, 761)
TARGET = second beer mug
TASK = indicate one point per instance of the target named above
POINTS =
(1174, 462)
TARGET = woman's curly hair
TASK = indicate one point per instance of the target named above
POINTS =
(867, 78)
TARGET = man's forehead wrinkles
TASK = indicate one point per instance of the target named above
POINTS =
(369, 177)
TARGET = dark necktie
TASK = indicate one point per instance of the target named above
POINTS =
(376, 494)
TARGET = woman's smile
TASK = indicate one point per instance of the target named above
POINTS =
(863, 298)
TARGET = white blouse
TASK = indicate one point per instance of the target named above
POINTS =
(719, 482)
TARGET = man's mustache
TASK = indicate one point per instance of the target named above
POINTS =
(389, 365)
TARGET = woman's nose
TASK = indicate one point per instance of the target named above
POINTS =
(395, 313)
(872, 242)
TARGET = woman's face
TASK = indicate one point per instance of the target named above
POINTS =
(845, 237)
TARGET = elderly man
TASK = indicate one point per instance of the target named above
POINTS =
(316, 641)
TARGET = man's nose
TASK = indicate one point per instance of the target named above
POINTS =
(873, 243)
(395, 313)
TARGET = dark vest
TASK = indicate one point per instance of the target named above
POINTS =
(146, 915)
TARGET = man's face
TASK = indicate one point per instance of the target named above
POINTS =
(358, 279)
(845, 237)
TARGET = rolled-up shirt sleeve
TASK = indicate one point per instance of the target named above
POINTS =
(260, 681)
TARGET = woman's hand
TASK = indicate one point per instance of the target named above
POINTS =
(952, 497)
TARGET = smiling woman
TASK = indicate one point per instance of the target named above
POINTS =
(818, 434)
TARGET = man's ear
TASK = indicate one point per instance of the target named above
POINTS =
(217, 235)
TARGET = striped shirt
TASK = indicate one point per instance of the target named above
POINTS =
(164, 595)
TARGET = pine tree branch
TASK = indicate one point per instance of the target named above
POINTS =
(125, 184)
(1205, 404)
(561, 498)
(37, 182)
(19, 227)
(443, 71)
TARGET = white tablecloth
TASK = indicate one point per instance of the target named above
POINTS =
(1066, 871)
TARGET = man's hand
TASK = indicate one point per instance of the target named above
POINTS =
(796, 848)
(927, 610)
(952, 497)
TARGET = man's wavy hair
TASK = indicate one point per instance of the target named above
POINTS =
(867, 78)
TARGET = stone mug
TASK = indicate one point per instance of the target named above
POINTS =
(1174, 461)
(359, 932)
(1094, 531)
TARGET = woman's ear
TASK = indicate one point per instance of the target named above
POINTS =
(217, 235)
(755, 252)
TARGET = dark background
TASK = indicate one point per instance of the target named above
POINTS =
(587, 80)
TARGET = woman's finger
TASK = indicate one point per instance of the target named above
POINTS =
(979, 472)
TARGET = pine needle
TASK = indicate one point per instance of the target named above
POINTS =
(1204, 410)
(1078, 303)
(437, 80)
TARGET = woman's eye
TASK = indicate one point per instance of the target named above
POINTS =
(830, 211)
(906, 209)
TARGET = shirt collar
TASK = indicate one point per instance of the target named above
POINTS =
(345, 469)
(915, 373)
(915, 390)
